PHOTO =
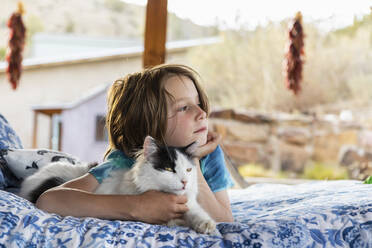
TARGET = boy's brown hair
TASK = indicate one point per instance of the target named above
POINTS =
(137, 106)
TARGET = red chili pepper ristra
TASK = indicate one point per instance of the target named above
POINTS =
(294, 55)
(16, 45)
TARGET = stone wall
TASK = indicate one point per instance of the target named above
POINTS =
(284, 141)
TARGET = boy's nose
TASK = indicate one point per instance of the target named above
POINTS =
(201, 113)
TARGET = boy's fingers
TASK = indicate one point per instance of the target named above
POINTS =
(217, 138)
(213, 137)
(211, 143)
(182, 208)
(181, 199)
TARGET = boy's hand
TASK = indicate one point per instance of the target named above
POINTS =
(213, 139)
(157, 207)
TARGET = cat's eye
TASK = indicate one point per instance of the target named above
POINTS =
(188, 169)
(168, 169)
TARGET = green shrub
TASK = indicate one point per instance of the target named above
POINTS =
(256, 170)
(320, 171)
(2, 53)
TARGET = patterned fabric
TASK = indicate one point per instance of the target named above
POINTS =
(8, 137)
(17, 164)
(320, 214)
(213, 168)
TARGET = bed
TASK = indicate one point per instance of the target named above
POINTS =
(317, 214)
(321, 214)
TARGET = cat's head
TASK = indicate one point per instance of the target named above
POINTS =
(168, 169)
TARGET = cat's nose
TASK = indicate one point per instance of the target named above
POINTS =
(184, 182)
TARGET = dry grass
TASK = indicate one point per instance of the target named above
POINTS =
(245, 70)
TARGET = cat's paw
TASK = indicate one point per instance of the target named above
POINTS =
(205, 226)
(176, 222)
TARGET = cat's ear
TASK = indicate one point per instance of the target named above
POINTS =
(149, 146)
(191, 149)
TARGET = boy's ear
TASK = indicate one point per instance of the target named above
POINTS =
(149, 146)
(191, 149)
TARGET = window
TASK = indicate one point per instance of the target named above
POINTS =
(101, 130)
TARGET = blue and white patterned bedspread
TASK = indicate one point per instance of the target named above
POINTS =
(321, 214)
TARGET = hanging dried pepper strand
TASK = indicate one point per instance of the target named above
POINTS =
(294, 55)
(16, 45)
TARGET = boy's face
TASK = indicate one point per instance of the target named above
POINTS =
(187, 122)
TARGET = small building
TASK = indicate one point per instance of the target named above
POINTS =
(78, 128)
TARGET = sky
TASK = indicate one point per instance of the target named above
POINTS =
(327, 14)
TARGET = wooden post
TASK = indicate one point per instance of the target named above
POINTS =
(34, 135)
(155, 33)
(60, 136)
(51, 131)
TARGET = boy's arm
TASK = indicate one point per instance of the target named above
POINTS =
(75, 198)
(216, 204)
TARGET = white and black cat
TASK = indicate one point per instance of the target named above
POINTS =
(157, 167)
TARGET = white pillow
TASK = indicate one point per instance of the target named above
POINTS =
(25, 162)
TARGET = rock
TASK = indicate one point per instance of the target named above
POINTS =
(294, 135)
(243, 153)
(365, 139)
(243, 116)
(357, 161)
(237, 131)
(328, 145)
(222, 114)
(293, 158)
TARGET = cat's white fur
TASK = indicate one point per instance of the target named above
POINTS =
(139, 179)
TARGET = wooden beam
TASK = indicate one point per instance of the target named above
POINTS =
(49, 112)
(155, 33)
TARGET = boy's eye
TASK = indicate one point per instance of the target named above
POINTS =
(188, 169)
(168, 169)
(188, 107)
(184, 108)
